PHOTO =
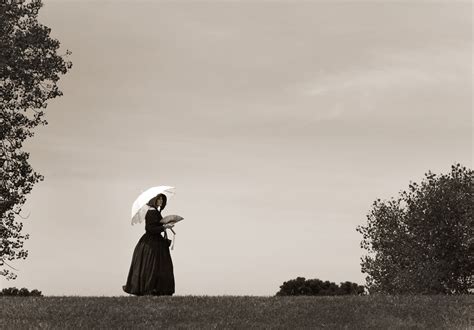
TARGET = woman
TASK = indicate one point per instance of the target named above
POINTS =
(151, 272)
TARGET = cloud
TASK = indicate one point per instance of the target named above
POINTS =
(392, 74)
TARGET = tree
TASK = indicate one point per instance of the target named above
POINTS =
(315, 287)
(24, 292)
(30, 68)
(422, 242)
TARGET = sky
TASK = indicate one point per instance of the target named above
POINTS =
(279, 124)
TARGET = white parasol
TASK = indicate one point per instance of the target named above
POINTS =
(139, 207)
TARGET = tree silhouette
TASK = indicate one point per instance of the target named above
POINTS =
(422, 242)
(30, 68)
(315, 287)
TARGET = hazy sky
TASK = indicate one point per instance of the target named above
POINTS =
(279, 123)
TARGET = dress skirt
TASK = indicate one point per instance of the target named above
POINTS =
(151, 271)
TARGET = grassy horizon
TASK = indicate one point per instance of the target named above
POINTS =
(367, 312)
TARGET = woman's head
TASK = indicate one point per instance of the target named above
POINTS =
(158, 200)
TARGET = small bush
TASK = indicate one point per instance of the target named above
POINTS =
(315, 287)
(23, 292)
(36, 293)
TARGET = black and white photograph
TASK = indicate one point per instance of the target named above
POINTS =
(236, 164)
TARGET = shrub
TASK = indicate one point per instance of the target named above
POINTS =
(23, 292)
(315, 287)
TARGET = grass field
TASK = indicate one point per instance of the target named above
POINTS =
(349, 312)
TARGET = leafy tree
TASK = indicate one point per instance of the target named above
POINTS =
(422, 241)
(30, 68)
(315, 287)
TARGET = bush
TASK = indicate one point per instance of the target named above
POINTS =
(36, 293)
(23, 292)
(315, 287)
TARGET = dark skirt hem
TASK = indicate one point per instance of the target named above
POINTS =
(152, 293)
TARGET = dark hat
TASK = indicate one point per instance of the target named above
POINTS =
(152, 202)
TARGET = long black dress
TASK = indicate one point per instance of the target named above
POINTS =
(151, 271)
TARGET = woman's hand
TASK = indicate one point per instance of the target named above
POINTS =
(168, 225)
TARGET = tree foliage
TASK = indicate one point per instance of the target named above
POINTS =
(23, 292)
(30, 68)
(315, 287)
(422, 241)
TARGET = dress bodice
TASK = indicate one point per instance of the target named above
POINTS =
(152, 221)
